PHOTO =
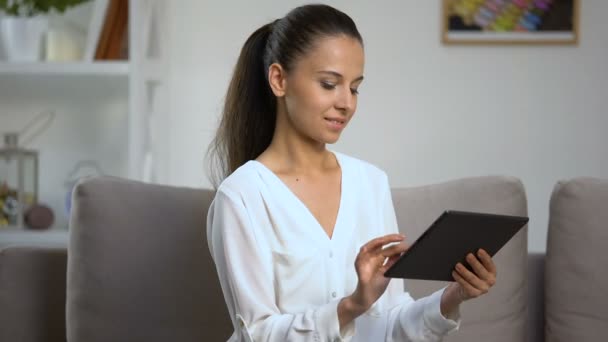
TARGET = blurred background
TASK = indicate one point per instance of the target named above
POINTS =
(428, 112)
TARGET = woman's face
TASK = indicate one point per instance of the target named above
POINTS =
(322, 87)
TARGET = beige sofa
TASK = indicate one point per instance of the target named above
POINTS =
(576, 290)
(139, 270)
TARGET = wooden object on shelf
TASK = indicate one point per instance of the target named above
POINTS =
(94, 31)
(114, 33)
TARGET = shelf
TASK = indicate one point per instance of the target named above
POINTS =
(22, 237)
(66, 68)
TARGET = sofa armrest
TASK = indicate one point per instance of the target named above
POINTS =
(536, 297)
(32, 293)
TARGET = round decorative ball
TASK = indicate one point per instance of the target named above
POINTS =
(39, 216)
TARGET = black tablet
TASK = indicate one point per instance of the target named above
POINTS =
(449, 239)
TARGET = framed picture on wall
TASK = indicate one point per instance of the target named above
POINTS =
(510, 21)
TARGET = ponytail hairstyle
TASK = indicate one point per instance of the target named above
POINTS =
(250, 109)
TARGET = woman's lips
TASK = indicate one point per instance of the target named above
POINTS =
(335, 124)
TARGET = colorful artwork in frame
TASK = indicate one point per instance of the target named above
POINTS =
(510, 21)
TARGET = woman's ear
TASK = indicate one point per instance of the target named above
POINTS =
(277, 79)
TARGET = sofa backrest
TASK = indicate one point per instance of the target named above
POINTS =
(576, 302)
(500, 315)
(138, 265)
(32, 293)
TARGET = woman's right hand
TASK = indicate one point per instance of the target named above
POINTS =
(371, 263)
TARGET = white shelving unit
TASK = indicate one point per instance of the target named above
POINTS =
(111, 112)
(148, 119)
(68, 68)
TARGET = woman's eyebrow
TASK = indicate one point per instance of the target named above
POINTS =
(338, 75)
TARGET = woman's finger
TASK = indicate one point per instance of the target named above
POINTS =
(389, 262)
(479, 268)
(487, 261)
(392, 250)
(469, 289)
(471, 278)
(377, 243)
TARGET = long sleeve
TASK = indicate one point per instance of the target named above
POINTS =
(244, 265)
(409, 319)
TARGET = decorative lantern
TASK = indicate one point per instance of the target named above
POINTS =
(18, 181)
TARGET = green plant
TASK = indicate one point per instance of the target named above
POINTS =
(29, 8)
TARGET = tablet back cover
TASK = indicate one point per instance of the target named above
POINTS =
(449, 239)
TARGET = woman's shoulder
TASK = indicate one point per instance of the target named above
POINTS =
(242, 180)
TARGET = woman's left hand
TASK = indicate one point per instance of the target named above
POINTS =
(469, 284)
(479, 282)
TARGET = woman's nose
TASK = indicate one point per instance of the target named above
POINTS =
(345, 100)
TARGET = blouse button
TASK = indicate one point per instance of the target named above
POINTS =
(240, 321)
(334, 294)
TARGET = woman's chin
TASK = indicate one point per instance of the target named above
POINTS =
(331, 138)
(327, 137)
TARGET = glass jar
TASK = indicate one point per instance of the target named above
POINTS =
(18, 181)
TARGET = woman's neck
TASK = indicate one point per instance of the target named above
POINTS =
(291, 152)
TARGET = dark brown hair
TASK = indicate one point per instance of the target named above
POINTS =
(249, 116)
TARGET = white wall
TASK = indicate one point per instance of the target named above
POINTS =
(427, 112)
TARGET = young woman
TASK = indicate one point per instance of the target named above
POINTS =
(299, 233)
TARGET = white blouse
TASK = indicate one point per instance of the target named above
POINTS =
(282, 276)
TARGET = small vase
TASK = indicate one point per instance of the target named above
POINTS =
(23, 37)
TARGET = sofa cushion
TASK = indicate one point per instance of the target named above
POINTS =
(32, 293)
(139, 268)
(576, 303)
(500, 315)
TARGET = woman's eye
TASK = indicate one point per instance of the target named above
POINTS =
(354, 91)
(328, 85)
